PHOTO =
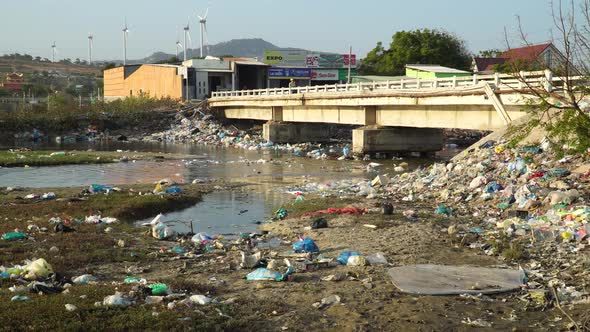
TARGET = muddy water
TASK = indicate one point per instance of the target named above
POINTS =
(219, 212)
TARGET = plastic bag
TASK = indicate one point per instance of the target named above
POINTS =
(99, 188)
(158, 189)
(14, 236)
(319, 223)
(84, 279)
(174, 190)
(305, 245)
(159, 289)
(441, 209)
(266, 274)
(281, 214)
(38, 269)
(343, 257)
(250, 261)
(356, 260)
(376, 259)
(116, 300)
(162, 232)
(201, 238)
(200, 299)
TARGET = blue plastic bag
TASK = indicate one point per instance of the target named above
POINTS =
(305, 245)
(343, 257)
(174, 190)
(266, 274)
(99, 188)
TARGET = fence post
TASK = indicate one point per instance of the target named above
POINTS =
(549, 80)
(402, 84)
(454, 81)
(497, 80)
(475, 79)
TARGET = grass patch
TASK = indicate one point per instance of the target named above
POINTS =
(44, 158)
(47, 312)
(126, 205)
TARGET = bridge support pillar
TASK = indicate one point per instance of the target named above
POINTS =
(397, 139)
(277, 113)
(294, 132)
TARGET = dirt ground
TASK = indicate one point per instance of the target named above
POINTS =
(368, 299)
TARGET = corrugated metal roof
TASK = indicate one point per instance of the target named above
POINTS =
(436, 69)
(246, 61)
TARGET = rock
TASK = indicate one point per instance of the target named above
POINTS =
(327, 301)
(54, 250)
(335, 277)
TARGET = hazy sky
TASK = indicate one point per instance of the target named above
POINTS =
(329, 25)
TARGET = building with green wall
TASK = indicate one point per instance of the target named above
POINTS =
(434, 71)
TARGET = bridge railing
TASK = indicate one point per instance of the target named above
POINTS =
(537, 80)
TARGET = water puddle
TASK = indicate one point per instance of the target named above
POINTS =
(226, 212)
(219, 212)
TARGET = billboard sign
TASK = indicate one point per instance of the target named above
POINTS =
(330, 61)
(294, 58)
(324, 75)
(289, 72)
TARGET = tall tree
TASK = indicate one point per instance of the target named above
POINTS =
(423, 46)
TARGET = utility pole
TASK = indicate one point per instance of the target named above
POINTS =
(349, 63)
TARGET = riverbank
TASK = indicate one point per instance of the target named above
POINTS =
(367, 298)
(28, 158)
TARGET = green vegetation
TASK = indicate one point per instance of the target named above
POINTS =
(127, 205)
(423, 46)
(44, 158)
(62, 114)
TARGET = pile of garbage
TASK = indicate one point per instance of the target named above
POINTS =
(513, 194)
(204, 129)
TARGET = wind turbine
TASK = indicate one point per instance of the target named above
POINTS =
(90, 42)
(203, 23)
(53, 50)
(178, 47)
(187, 37)
(125, 34)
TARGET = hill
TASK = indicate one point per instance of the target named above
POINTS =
(27, 65)
(249, 48)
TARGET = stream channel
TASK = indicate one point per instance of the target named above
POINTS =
(220, 212)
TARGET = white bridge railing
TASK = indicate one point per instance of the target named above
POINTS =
(538, 79)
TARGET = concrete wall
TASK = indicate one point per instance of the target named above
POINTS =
(114, 83)
(295, 133)
(370, 140)
(157, 81)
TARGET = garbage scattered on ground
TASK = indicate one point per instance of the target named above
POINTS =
(327, 301)
(200, 299)
(14, 236)
(319, 223)
(116, 300)
(306, 245)
(268, 275)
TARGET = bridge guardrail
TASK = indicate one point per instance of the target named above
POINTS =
(537, 79)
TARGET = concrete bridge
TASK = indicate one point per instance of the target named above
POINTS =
(401, 115)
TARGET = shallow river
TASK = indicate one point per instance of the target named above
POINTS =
(219, 212)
